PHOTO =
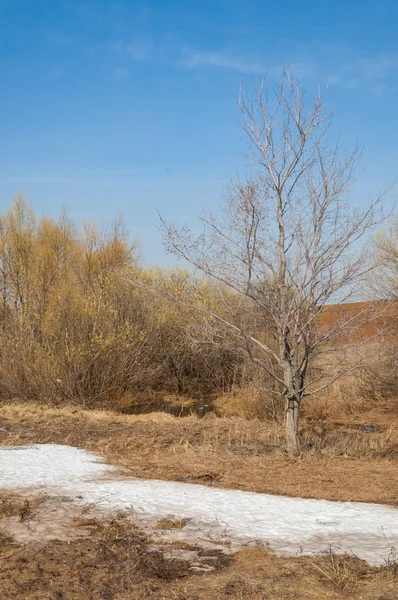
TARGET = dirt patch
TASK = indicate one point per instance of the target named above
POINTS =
(47, 518)
(20, 506)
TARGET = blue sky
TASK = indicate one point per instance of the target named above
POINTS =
(126, 105)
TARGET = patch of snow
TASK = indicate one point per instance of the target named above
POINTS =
(287, 525)
(47, 465)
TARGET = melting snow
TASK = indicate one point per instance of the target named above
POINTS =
(288, 525)
(44, 465)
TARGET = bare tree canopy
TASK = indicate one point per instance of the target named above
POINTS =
(287, 240)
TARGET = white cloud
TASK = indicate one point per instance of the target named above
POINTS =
(122, 72)
(140, 51)
(301, 66)
(366, 71)
(194, 60)
(338, 63)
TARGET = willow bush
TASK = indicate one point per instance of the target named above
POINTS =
(73, 327)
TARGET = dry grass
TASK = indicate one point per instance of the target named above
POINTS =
(379, 375)
(171, 523)
(338, 462)
(245, 402)
(118, 562)
(260, 574)
(343, 400)
(348, 399)
(10, 506)
(114, 562)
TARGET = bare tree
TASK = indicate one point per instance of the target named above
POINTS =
(386, 276)
(288, 241)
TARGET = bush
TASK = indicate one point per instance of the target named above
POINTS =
(379, 374)
(73, 328)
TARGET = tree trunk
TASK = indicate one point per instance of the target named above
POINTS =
(291, 426)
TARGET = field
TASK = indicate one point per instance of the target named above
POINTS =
(350, 453)
(341, 461)
(115, 563)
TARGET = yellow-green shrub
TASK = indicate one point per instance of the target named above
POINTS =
(75, 328)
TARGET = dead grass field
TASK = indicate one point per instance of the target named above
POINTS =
(338, 462)
(117, 562)
(377, 315)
